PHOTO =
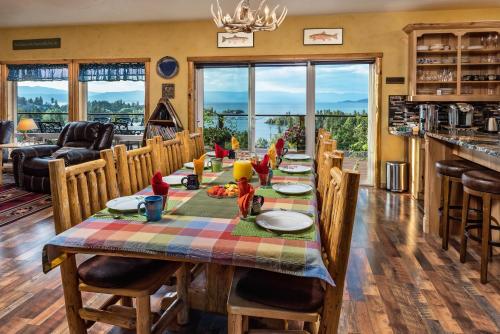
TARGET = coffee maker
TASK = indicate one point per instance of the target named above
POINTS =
(460, 115)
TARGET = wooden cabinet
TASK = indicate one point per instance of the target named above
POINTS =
(454, 62)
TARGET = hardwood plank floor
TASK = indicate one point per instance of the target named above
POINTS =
(399, 280)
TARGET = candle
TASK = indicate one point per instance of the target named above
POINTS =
(242, 168)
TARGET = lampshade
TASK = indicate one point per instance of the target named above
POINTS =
(26, 124)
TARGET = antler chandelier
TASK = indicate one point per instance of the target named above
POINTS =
(247, 20)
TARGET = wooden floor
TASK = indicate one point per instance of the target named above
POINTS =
(398, 280)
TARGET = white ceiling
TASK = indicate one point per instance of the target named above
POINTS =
(19, 13)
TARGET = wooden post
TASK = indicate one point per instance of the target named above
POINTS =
(218, 283)
(183, 281)
(110, 170)
(72, 296)
(143, 312)
(123, 172)
(155, 155)
(59, 190)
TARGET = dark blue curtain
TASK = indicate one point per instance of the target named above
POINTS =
(38, 72)
(112, 72)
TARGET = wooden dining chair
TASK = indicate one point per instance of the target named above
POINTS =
(322, 134)
(193, 144)
(171, 154)
(331, 159)
(251, 295)
(78, 192)
(328, 145)
(136, 167)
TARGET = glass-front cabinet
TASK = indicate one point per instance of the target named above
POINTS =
(454, 62)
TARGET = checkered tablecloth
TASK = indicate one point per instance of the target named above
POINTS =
(197, 239)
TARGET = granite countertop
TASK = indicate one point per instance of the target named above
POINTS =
(481, 142)
(404, 134)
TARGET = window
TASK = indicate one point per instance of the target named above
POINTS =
(41, 93)
(225, 105)
(115, 93)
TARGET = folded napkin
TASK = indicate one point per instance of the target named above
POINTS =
(235, 144)
(245, 196)
(280, 144)
(220, 152)
(159, 186)
(271, 152)
(199, 166)
(263, 166)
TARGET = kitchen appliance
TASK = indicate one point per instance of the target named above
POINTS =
(460, 115)
(492, 125)
(429, 117)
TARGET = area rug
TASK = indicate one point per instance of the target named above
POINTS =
(16, 203)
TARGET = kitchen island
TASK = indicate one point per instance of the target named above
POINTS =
(483, 149)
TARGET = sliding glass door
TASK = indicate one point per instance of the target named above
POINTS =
(260, 103)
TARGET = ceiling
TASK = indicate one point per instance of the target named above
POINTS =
(20, 13)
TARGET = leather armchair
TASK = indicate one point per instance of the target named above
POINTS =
(78, 142)
(6, 130)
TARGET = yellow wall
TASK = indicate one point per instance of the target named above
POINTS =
(366, 32)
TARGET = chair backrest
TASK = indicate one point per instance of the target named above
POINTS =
(330, 160)
(171, 154)
(326, 145)
(336, 236)
(136, 167)
(321, 134)
(193, 145)
(79, 191)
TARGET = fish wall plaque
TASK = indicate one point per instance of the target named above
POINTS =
(234, 40)
(323, 36)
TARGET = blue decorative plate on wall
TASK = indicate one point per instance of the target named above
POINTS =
(167, 67)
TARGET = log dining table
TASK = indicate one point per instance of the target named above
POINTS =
(197, 228)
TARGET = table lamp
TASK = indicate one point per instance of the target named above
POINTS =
(25, 125)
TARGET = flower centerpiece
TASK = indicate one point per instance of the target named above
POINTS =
(296, 136)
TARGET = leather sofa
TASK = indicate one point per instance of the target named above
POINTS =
(6, 130)
(78, 142)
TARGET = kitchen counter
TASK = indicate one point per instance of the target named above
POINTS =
(480, 142)
(480, 148)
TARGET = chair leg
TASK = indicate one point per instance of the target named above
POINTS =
(446, 207)
(143, 313)
(485, 237)
(463, 238)
(246, 321)
(127, 301)
(234, 324)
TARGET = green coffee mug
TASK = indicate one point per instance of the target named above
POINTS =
(216, 164)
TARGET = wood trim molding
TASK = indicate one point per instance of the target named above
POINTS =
(453, 25)
(3, 93)
(289, 58)
(112, 60)
(147, 90)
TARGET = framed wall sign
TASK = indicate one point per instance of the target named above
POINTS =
(234, 40)
(41, 43)
(323, 36)
(168, 90)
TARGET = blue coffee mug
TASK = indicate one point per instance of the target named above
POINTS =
(153, 207)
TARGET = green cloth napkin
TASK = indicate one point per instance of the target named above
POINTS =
(113, 214)
(271, 193)
(277, 172)
(248, 228)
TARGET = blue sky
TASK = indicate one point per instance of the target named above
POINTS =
(333, 82)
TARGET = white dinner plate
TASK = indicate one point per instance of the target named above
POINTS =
(292, 188)
(125, 204)
(211, 154)
(190, 164)
(295, 169)
(173, 180)
(297, 157)
(285, 221)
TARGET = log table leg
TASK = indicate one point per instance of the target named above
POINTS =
(72, 296)
(183, 281)
(219, 279)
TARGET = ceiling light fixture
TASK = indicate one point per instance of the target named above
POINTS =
(247, 20)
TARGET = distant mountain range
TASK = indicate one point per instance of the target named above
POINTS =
(62, 96)
(279, 97)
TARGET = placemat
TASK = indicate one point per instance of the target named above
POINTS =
(271, 193)
(277, 172)
(248, 228)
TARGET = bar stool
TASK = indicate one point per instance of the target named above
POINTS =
(484, 184)
(451, 172)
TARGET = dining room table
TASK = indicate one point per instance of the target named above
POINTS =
(198, 229)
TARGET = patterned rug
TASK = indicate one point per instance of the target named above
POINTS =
(16, 203)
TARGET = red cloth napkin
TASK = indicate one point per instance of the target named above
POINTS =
(263, 166)
(220, 152)
(159, 186)
(280, 144)
(245, 196)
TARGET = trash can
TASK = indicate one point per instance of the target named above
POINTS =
(397, 176)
